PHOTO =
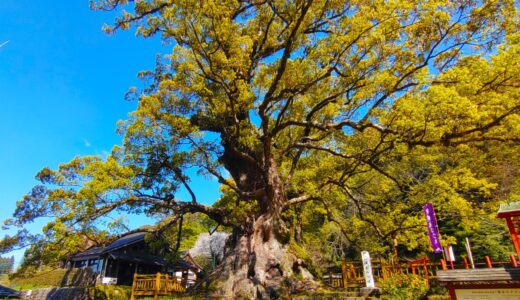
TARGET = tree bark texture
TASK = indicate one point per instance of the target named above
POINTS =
(258, 265)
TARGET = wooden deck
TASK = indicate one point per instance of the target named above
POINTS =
(156, 285)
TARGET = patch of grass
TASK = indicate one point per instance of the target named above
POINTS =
(53, 278)
(28, 286)
(4, 280)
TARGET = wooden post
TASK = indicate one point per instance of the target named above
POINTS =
(449, 256)
(514, 263)
(488, 262)
(117, 270)
(470, 255)
(396, 255)
(132, 296)
(103, 273)
(425, 268)
(157, 286)
(451, 291)
(443, 264)
(344, 273)
(465, 262)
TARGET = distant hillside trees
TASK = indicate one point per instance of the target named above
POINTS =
(6, 265)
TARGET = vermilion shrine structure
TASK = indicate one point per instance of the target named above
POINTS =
(501, 283)
(511, 213)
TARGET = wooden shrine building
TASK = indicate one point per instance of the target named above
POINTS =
(117, 262)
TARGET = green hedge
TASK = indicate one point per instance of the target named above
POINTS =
(112, 292)
(404, 287)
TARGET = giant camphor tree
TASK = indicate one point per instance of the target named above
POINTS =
(285, 103)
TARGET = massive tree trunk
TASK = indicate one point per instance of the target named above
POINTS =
(258, 265)
(258, 262)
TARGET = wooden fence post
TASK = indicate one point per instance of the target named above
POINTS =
(132, 296)
(514, 263)
(488, 262)
(465, 262)
(344, 271)
(157, 286)
(425, 268)
(443, 264)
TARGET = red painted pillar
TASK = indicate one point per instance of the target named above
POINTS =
(514, 263)
(443, 264)
(425, 268)
(514, 236)
(488, 262)
(451, 291)
(465, 262)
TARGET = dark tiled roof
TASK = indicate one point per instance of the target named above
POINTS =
(126, 240)
(117, 244)
(7, 292)
(92, 252)
(184, 265)
(139, 257)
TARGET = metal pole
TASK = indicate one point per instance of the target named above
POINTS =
(470, 255)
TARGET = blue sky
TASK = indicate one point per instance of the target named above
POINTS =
(62, 86)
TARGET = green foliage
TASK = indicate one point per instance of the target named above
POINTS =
(439, 297)
(437, 291)
(404, 287)
(310, 264)
(192, 226)
(111, 292)
(172, 298)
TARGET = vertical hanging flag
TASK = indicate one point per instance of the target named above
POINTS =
(433, 232)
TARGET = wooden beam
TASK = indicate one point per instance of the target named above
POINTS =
(463, 275)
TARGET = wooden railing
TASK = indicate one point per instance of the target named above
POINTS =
(351, 273)
(156, 285)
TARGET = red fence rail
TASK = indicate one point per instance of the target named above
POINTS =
(351, 273)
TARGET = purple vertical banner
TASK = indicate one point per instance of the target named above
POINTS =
(433, 232)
